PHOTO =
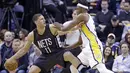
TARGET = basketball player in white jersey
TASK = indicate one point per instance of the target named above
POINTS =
(92, 51)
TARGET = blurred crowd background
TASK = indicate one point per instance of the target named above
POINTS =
(112, 22)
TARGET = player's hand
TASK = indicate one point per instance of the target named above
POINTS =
(12, 71)
(57, 25)
(11, 64)
(80, 24)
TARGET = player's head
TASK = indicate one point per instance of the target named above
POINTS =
(39, 20)
(82, 6)
(74, 14)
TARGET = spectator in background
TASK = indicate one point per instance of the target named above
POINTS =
(114, 28)
(2, 32)
(122, 4)
(111, 7)
(110, 40)
(13, 35)
(106, 14)
(22, 62)
(114, 45)
(6, 46)
(7, 42)
(22, 36)
(126, 29)
(109, 59)
(127, 38)
(125, 14)
(56, 7)
(1, 38)
(121, 62)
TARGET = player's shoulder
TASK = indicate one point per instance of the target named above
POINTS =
(83, 16)
(30, 35)
(53, 29)
(52, 26)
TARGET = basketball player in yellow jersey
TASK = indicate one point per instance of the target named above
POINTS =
(92, 51)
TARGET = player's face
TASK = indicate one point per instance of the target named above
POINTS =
(41, 22)
(78, 10)
(74, 14)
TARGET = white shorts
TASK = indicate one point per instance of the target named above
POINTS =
(87, 57)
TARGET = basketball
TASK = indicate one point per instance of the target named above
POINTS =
(11, 66)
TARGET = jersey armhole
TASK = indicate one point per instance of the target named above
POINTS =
(51, 27)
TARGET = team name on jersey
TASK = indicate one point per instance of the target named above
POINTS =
(44, 43)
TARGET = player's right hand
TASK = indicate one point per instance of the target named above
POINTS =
(11, 64)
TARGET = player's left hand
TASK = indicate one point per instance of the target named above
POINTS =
(57, 25)
(12, 71)
(80, 24)
(11, 64)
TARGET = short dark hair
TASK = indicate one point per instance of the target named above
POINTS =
(36, 16)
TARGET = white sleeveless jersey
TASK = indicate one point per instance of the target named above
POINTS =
(90, 38)
(72, 37)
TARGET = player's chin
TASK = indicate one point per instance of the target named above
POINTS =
(42, 26)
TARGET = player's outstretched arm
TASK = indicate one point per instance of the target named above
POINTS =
(80, 18)
(26, 47)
